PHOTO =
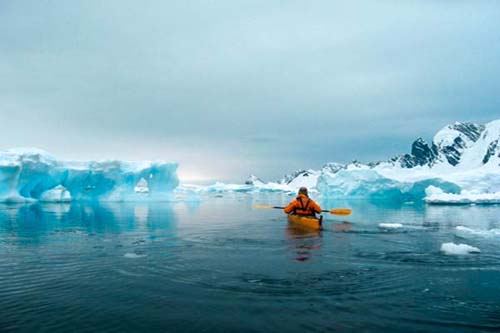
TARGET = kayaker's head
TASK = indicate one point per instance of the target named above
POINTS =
(303, 191)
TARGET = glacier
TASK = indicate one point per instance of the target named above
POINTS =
(28, 174)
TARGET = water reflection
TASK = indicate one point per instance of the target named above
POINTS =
(304, 242)
(34, 223)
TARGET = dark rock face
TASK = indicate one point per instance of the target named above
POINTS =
(470, 130)
(491, 151)
(421, 154)
(453, 152)
(424, 154)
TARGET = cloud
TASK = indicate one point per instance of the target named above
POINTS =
(240, 87)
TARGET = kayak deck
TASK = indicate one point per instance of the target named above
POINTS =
(308, 222)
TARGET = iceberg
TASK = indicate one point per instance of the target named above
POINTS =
(366, 183)
(33, 174)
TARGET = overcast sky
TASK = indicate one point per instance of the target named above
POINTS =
(228, 88)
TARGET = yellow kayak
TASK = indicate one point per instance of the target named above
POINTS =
(308, 222)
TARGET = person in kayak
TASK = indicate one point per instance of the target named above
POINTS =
(303, 205)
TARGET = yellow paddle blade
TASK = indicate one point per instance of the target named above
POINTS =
(263, 207)
(340, 211)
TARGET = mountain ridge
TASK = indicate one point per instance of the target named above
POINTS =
(448, 148)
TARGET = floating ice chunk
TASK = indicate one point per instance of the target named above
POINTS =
(390, 225)
(464, 231)
(458, 249)
(132, 255)
(57, 194)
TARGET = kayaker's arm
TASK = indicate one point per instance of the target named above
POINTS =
(315, 207)
(288, 209)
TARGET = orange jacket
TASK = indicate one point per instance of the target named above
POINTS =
(302, 205)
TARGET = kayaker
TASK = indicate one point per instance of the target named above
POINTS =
(303, 205)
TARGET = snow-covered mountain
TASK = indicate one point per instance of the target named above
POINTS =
(461, 144)
(462, 158)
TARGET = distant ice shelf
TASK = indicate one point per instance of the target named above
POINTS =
(29, 174)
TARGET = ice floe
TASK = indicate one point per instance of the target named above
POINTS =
(131, 255)
(458, 249)
(390, 225)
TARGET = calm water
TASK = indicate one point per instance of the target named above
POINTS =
(218, 265)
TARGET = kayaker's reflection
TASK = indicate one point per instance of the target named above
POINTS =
(343, 226)
(304, 226)
(303, 241)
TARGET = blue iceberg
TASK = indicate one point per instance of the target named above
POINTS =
(33, 174)
(371, 185)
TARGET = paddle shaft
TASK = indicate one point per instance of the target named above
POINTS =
(279, 207)
(337, 211)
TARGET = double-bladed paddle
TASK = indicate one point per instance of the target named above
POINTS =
(336, 211)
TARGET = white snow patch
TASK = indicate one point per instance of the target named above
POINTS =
(458, 249)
